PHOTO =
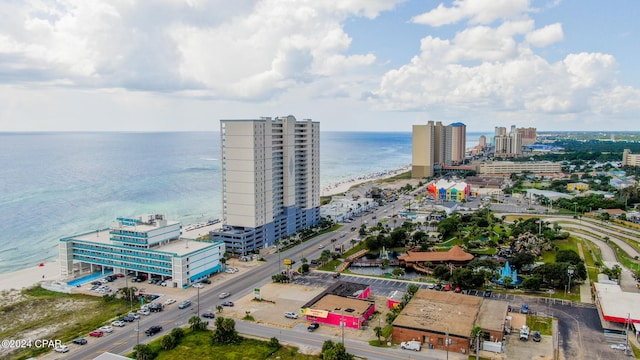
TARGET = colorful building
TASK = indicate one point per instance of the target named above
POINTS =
(345, 302)
(446, 190)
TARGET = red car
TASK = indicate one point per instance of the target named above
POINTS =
(96, 333)
(447, 287)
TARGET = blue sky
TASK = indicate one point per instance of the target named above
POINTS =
(353, 65)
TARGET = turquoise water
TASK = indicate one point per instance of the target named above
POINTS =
(54, 185)
(89, 278)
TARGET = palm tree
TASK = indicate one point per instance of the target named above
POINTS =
(476, 333)
(378, 331)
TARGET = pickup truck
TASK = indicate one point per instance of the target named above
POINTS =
(411, 345)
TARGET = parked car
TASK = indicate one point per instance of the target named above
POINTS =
(153, 330)
(224, 295)
(144, 312)
(169, 301)
(487, 293)
(525, 308)
(61, 348)
(107, 329)
(209, 315)
(96, 333)
(156, 307)
(197, 285)
(134, 315)
(536, 336)
(619, 346)
(205, 281)
(447, 287)
(80, 341)
(313, 326)
(185, 304)
(227, 303)
(118, 323)
(290, 315)
(128, 319)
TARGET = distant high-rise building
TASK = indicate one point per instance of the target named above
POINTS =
(529, 135)
(629, 159)
(482, 141)
(507, 145)
(270, 180)
(434, 143)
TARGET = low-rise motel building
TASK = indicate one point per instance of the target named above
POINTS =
(344, 302)
(149, 245)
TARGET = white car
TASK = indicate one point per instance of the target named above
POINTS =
(61, 348)
(619, 347)
(320, 246)
(290, 315)
(107, 329)
(134, 315)
(118, 323)
(198, 285)
(169, 301)
(144, 312)
(224, 295)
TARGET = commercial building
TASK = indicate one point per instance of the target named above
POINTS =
(343, 302)
(617, 308)
(629, 159)
(528, 135)
(435, 143)
(512, 167)
(270, 181)
(443, 320)
(446, 190)
(418, 259)
(148, 245)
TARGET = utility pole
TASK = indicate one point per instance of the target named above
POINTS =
(446, 342)
(138, 333)
(198, 301)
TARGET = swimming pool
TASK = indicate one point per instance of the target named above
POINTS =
(88, 278)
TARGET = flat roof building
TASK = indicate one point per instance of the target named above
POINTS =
(270, 180)
(148, 244)
(343, 302)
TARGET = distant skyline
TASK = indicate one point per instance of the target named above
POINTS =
(353, 65)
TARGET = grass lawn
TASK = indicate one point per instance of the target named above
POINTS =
(539, 323)
(197, 345)
(66, 316)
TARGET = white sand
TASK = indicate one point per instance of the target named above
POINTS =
(343, 186)
(29, 277)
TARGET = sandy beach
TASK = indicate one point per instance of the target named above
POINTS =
(343, 186)
(29, 277)
(50, 271)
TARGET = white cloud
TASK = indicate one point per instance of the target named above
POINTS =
(476, 11)
(492, 68)
(546, 36)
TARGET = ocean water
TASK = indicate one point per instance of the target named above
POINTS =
(54, 185)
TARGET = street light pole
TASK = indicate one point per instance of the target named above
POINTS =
(446, 342)
(342, 322)
(198, 301)
(138, 333)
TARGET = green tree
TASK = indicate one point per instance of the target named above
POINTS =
(378, 331)
(476, 334)
(225, 332)
(335, 351)
(143, 352)
(178, 333)
(197, 324)
(168, 342)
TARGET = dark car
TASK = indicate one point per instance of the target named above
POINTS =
(536, 336)
(156, 307)
(227, 303)
(185, 304)
(209, 315)
(153, 330)
(313, 326)
(128, 319)
(80, 341)
(487, 293)
(205, 281)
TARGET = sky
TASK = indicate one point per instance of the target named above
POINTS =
(352, 65)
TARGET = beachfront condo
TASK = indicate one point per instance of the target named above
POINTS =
(147, 245)
(270, 181)
(435, 143)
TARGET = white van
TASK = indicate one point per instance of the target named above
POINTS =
(411, 345)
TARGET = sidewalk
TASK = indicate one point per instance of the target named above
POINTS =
(585, 287)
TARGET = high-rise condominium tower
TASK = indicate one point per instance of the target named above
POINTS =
(270, 180)
(434, 143)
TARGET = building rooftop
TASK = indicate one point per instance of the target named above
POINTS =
(177, 247)
(617, 305)
(454, 254)
(440, 312)
(492, 315)
(350, 306)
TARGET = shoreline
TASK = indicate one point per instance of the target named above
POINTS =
(50, 269)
